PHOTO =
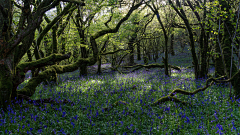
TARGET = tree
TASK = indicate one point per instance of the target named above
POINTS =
(165, 33)
(11, 51)
(226, 45)
(82, 26)
(182, 14)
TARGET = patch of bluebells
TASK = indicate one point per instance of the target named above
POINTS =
(210, 112)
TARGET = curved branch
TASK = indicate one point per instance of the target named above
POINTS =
(110, 19)
(169, 98)
(175, 91)
(46, 61)
(53, 22)
(103, 32)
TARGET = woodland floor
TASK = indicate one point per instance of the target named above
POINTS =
(212, 111)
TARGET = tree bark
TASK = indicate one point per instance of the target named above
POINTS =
(226, 49)
(131, 48)
(192, 45)
(12, 73)
(138, 51)
(171, 44)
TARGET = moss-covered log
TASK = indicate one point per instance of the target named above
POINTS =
(174, 92)
(47, 61)
(171, 97)
(139, 66)
(15, 75)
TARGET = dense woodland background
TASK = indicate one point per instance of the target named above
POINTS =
(50, 39)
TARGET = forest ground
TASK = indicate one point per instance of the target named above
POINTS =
(113, 103)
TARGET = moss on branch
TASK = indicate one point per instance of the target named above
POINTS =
(171, 97)
(139, 66)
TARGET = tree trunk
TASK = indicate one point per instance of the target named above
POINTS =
(11, 52)
(219, 67)
(157, 50)
(83, 68)
(171, 45)
(138, 51)
(165, 59)
(203, 56)
(114, 58)
(99, 71)
(226, 49)
(54, 49)
(63, 49)
(131, 54)
(192, 45)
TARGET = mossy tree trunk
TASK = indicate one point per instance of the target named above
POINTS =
(81, 32)
(226, 43)
(11, 52)
(82, 26)
(103, 50)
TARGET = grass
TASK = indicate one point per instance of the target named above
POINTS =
(212, 113)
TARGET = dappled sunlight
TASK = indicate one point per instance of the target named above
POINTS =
(174, 74)
(85, 86)
(136, 91)
(145, 89)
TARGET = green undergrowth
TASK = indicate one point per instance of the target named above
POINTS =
(128, 99)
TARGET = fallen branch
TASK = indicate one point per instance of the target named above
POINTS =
(174, 92)
(139, 66)
(171, 97)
